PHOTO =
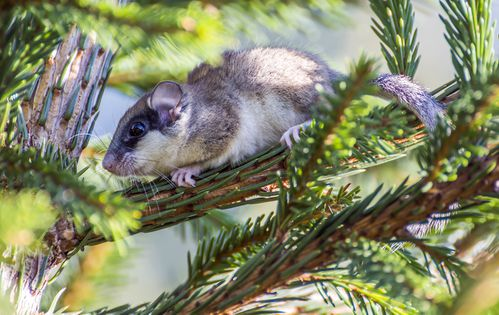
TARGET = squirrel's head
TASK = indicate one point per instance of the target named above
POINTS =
(147, 132)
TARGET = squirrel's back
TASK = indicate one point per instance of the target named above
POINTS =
(269, 89)
(289, 74)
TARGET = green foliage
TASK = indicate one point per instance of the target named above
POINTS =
(336, 287)
(26, 42)
(231, 248)
(161, 41)
(329, 141)
(395, 29)
(375, 137)
(102, 212)
(399, 276)
(25, 216)
(475, 113)
(332, 136)
(470, 34)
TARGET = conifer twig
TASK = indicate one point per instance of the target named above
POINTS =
(395, 29)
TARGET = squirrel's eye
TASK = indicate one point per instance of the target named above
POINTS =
(137, 129)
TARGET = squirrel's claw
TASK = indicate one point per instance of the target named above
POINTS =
(295, 132)
(182, 177)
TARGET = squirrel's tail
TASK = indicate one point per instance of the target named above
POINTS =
(401, 88)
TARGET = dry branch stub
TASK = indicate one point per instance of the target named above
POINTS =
(64, 105)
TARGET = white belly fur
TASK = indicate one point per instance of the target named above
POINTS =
(261, 127)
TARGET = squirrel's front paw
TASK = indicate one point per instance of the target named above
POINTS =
(295, 131)
(183, 176)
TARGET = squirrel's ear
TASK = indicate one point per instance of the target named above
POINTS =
(164, 99)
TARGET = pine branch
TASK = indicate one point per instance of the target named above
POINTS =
(473, 116)
(53, 127)
(255, 180)
(331, 133)
(321, 251)
(470, 34)
(395, 29)
(359, 292)
(101, 212)
(227, 251)
(257, 176)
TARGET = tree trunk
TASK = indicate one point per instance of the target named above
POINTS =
(59, 113)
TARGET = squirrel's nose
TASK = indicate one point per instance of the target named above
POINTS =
(109, 162)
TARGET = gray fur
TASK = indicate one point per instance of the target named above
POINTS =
(413, 96)
(244, 105)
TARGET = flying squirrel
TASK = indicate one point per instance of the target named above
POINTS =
(226, 113)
